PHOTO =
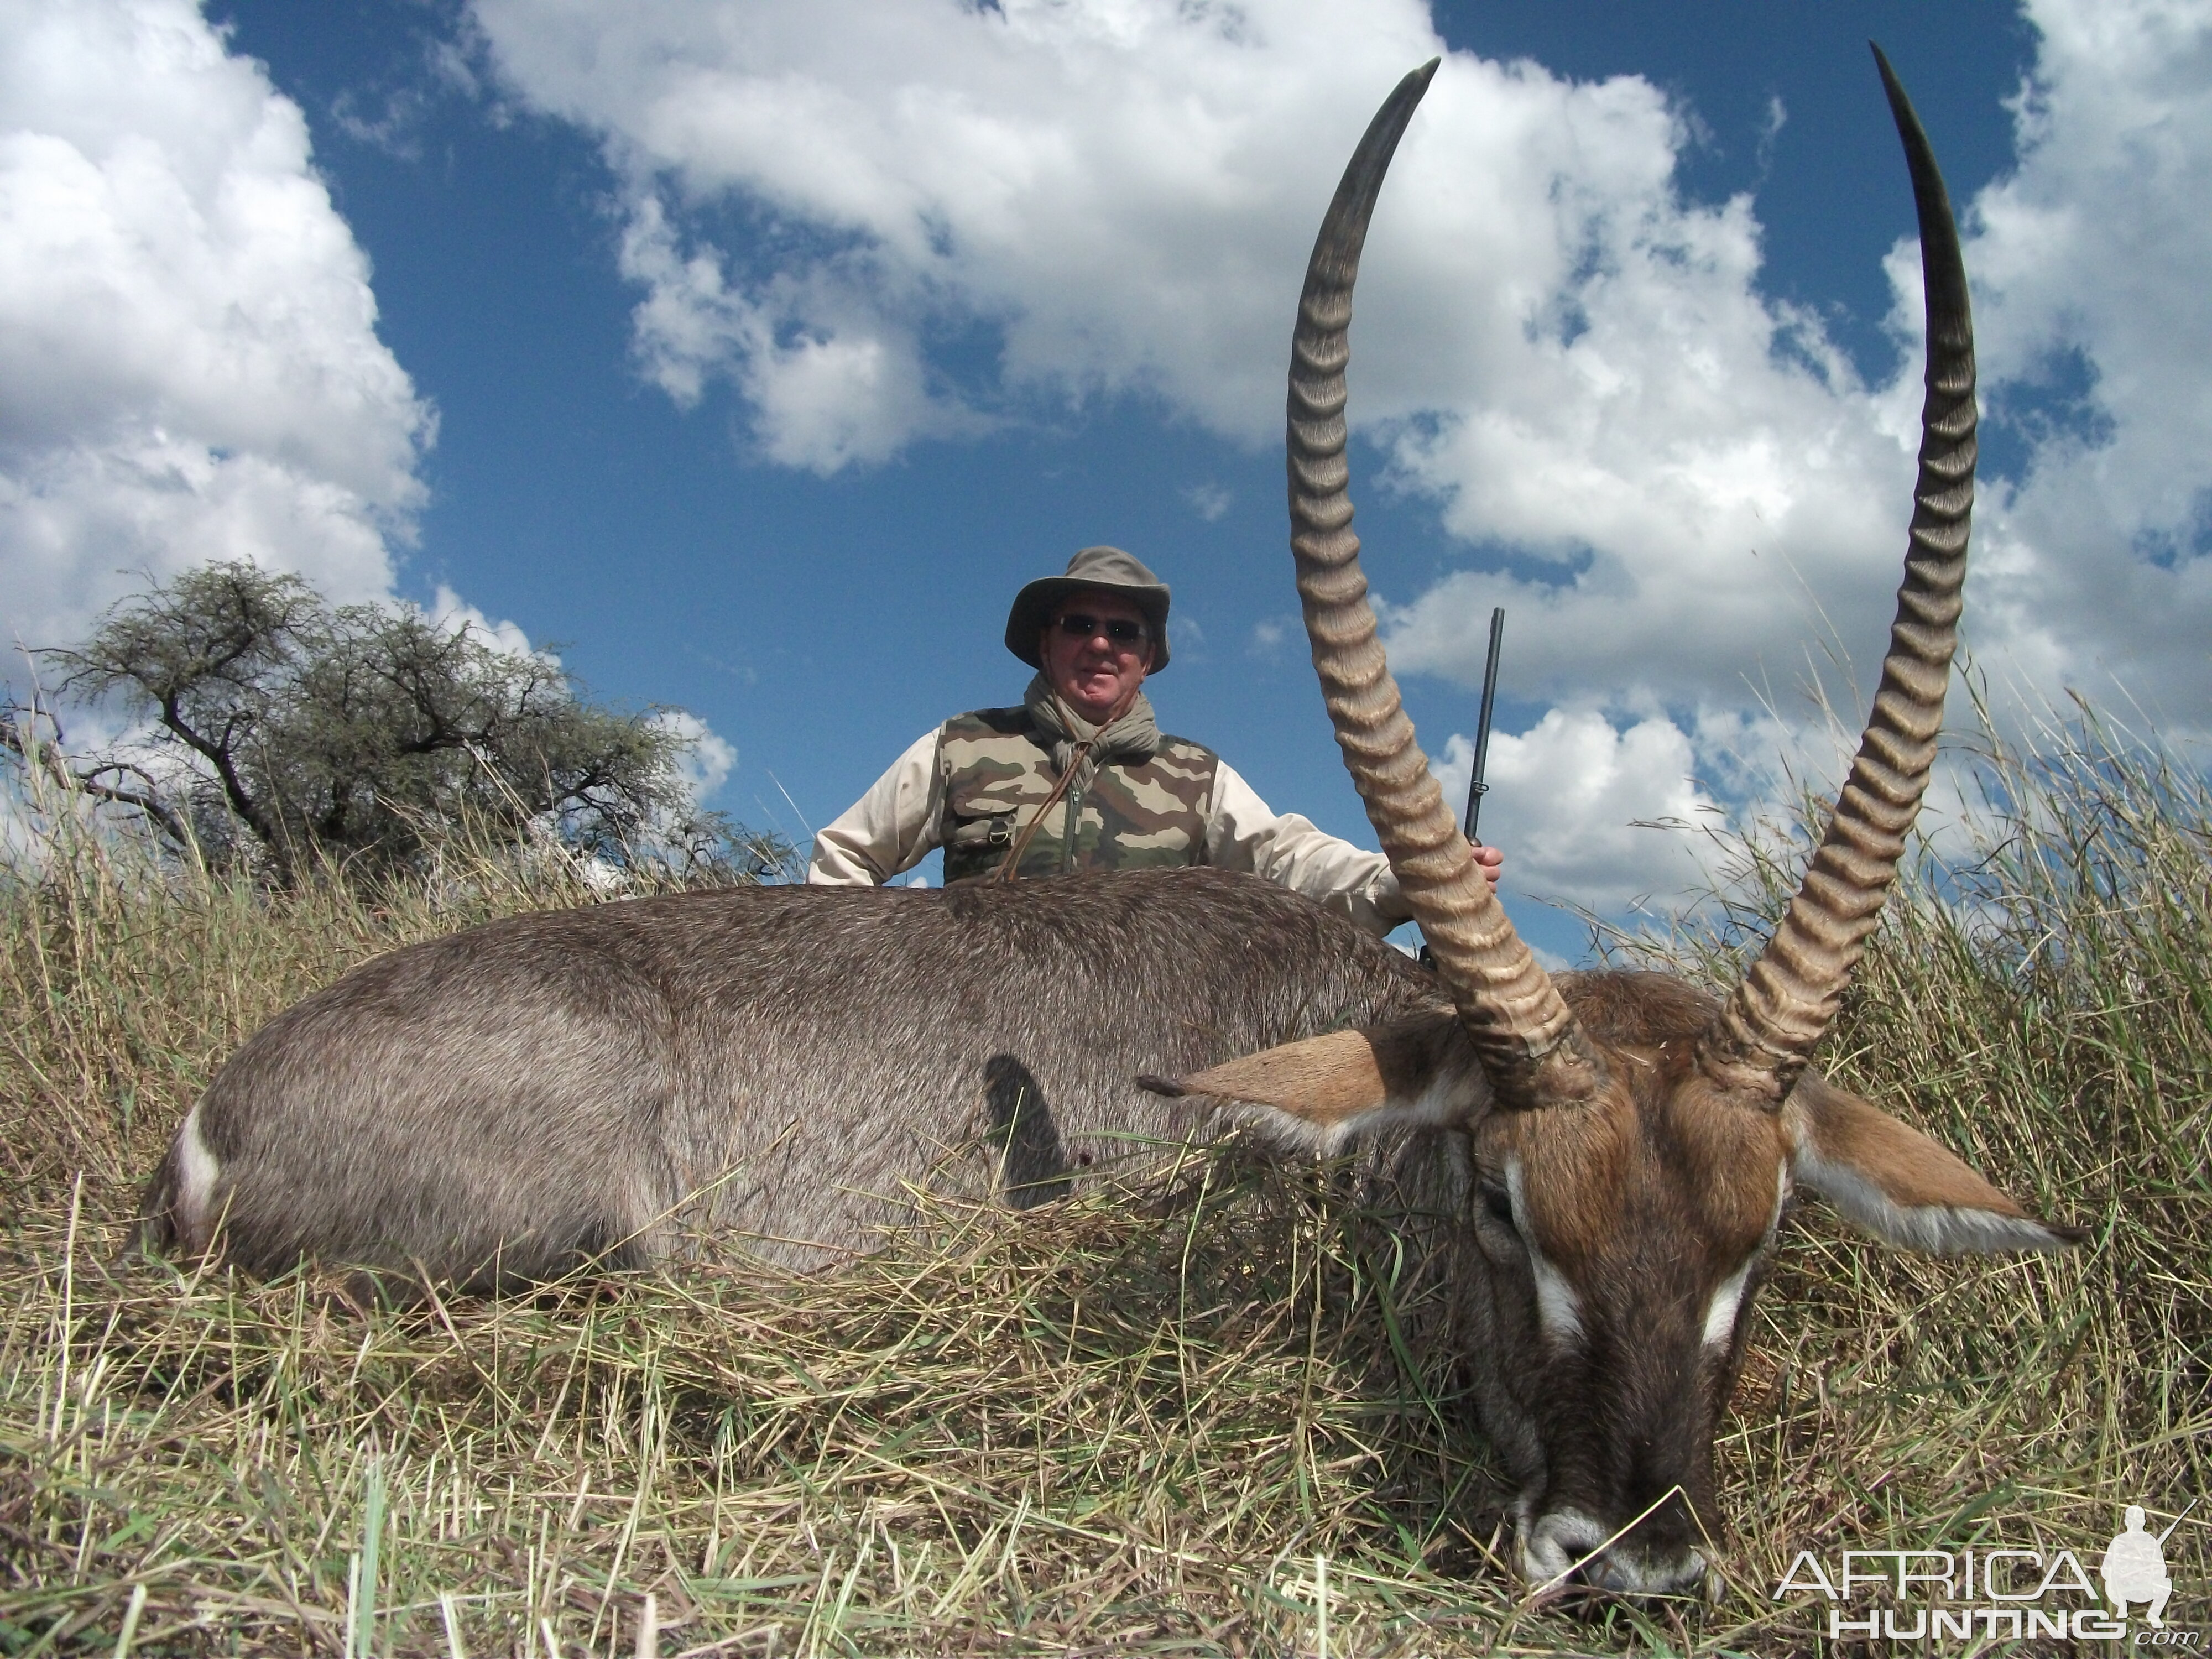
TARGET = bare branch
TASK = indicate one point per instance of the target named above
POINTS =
(48, 759)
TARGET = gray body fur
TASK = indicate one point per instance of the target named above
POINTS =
(770, 1067)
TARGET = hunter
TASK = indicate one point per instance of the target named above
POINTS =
(1080, 776)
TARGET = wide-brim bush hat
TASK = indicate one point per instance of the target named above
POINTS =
(1108, 567)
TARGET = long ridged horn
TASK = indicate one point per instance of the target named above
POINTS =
(1769, 1026)
(1521, 1031)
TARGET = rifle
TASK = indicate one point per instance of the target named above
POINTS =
(1476, 788)
(2181, 1517)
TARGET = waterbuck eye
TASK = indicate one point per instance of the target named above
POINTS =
(1500, 1203)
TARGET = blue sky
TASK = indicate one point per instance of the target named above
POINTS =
(754, 355)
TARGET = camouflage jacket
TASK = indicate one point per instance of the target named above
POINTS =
(998, 772)
(1185, 807)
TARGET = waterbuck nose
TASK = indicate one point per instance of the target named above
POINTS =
(1567, 1549)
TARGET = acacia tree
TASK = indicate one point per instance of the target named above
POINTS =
(358, 732)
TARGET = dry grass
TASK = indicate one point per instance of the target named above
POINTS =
(1108, 1426)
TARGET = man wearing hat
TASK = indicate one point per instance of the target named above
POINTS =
(1080, 777)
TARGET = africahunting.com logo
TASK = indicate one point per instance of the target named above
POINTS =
(1999, 1594)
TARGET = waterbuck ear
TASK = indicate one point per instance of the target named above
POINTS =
(1900, 1185)
(1413, 1071)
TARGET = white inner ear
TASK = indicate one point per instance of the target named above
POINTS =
(1452, 1096)
(1558, 1310)
(1934, 1229)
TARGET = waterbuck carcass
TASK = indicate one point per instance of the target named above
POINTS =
(773, 1067)
(1592, 1167)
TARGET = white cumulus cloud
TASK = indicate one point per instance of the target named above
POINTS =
(708, 759)
(1121, 194)
(2089, 266)
(450, 610)
(187, 332)
(1589, 815)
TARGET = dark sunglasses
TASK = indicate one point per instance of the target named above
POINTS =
(1118, 630)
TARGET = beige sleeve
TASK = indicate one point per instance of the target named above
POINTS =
(1242, 834)
(890, 829)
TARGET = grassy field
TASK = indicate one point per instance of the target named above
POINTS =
(1168, 1427)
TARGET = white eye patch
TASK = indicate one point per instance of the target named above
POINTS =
(1720, 1313)
(1558, 1310)
(1720, 1316)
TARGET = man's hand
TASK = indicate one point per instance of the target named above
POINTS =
(1493, 860)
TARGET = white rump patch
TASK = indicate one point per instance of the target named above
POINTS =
(197, 1170)
(1936, 1229)
(1558, 1310)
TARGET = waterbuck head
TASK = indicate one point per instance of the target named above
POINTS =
(1632, 1141)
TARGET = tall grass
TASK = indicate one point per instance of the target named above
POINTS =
(1175, 1426)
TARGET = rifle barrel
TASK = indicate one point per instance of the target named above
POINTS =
(2179, 1518)
(1476, 788)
